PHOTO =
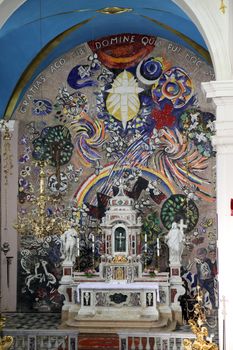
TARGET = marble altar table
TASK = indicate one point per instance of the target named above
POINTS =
(118, 299)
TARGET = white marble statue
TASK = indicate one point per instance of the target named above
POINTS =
(69, 241)
(175, 242)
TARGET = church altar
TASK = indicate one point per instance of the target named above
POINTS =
(121, 294)
(136, 299)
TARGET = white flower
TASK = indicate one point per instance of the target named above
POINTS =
(201, 137)
(94, 60)
(194, 117)
(193, 126)
(210, 125)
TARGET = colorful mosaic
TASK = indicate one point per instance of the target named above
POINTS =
(129, 109)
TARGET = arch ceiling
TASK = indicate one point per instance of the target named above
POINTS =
(39, 31)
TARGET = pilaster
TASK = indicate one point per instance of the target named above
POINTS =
(9, 200)
(221, 94)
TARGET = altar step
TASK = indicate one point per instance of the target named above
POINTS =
(90, 325)
(98, 341)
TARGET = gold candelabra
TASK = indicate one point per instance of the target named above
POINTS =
(202, 341)
(39, 221)
(5, 341)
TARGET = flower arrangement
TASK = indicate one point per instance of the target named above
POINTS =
(151, 272)
(89, 273)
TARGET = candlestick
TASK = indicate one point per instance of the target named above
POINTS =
(78, 250)
(158, 247)
(93, 243)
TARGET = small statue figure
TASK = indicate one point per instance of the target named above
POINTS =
(108, 274)
(175, 242)
(87, 299)
(130, 274)
(149, 299)
(69, 245)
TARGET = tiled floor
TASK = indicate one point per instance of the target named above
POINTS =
(32, 320)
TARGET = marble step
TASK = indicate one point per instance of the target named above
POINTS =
(113, 326)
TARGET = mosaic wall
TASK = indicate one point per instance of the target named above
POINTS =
(129, 109)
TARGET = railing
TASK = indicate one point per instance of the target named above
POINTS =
(39, 339)
(152, 341)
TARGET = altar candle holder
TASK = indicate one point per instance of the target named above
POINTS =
(93, 251)
(158, 247)
(145, 246)
(145, 249)
(78, 254)
(78, 247)
(158, 253)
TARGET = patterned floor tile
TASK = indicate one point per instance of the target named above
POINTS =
(32, 320)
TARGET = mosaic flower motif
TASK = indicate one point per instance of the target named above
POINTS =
(163, 117)
(105, 77)
(41, 107)
(116, 146)
(199, 127)
(69, 105)
(95, 63)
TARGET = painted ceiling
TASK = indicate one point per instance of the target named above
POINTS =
(39, 31)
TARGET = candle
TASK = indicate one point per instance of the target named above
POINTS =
(145, 247)
(145, 237)
(78, 251)
(158, 246)
(93, 243)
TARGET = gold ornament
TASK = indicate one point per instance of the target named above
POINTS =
(114, 10)
(119, 259)
(6, 341)
(201, 332)
(39, 222)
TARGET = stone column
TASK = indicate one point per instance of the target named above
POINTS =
(221, 93)
(9, 200)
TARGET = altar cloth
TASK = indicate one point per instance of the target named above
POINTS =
(118, 286)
